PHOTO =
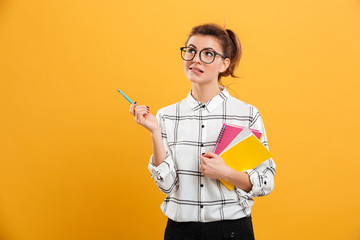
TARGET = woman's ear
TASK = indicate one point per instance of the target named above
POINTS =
(225, 65)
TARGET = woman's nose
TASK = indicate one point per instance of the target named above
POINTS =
(197, 58)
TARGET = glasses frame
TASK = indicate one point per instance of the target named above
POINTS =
(216, 53)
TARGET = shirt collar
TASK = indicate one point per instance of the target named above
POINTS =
(209, 105)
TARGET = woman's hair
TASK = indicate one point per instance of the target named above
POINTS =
(228, 41)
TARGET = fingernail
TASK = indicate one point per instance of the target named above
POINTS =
(147, 106)
(202, 153)
(135, 102)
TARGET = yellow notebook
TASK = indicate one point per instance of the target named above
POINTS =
(245, 155)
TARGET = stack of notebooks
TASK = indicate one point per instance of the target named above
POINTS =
(241, 149)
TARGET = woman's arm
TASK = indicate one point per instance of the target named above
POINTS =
(161, 164)
(262, 176)
(159, 153)
(239, 179)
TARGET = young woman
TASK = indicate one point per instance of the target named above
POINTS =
(198, 205)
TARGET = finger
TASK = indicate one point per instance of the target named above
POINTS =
(131, 110)
(132, 107)
(139, 107)
(143, 110)
(210, 155)
(203, 171)
(147, 110)
(136, 112)
(136, 108)
(140, 113)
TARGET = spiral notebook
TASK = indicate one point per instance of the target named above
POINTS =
(241, 150)
(228, 133)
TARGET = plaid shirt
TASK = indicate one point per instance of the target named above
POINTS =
(190, 128)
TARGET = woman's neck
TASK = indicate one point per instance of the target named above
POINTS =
(204, 93)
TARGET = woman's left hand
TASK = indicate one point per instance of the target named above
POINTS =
(213, 166)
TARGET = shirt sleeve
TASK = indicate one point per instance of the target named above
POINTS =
(262, 176)
(165, 175)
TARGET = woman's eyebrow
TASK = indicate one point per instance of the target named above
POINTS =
(203, 48)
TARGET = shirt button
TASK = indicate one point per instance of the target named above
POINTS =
(232, 234)
(201, 185)
(201, 206)
(202, 126)
(203, 106)
(202, 145)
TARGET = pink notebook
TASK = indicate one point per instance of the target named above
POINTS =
(228, 133)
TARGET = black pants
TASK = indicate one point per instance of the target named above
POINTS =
(227, 229)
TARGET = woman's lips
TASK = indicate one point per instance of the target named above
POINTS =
(196, 71)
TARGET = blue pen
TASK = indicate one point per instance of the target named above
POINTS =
(125, 96)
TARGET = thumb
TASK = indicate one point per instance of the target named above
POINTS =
(210, 154)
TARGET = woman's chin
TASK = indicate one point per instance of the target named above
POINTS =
(196, 79)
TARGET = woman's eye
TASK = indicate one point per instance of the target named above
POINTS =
(210, 54)
(191, 50)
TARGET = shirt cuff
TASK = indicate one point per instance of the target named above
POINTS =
(258, 184)
(160, 172)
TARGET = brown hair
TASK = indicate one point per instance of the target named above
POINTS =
(228, 41)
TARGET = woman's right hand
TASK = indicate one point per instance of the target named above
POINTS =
(144, 117)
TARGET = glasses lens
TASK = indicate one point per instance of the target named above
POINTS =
(207, 56)
(187, 53)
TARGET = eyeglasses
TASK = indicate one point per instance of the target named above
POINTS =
(206, 56)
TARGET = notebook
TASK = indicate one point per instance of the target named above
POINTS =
(244, 152)
(228, 133)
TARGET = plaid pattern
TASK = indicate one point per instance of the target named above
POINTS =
(190, 128)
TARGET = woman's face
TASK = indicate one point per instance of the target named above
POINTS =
(210, 71)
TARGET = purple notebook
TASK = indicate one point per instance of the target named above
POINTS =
(228, 133)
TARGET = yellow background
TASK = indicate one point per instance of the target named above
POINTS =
(73, 161)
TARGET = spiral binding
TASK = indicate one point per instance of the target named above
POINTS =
(219, 138)
(221, 134)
